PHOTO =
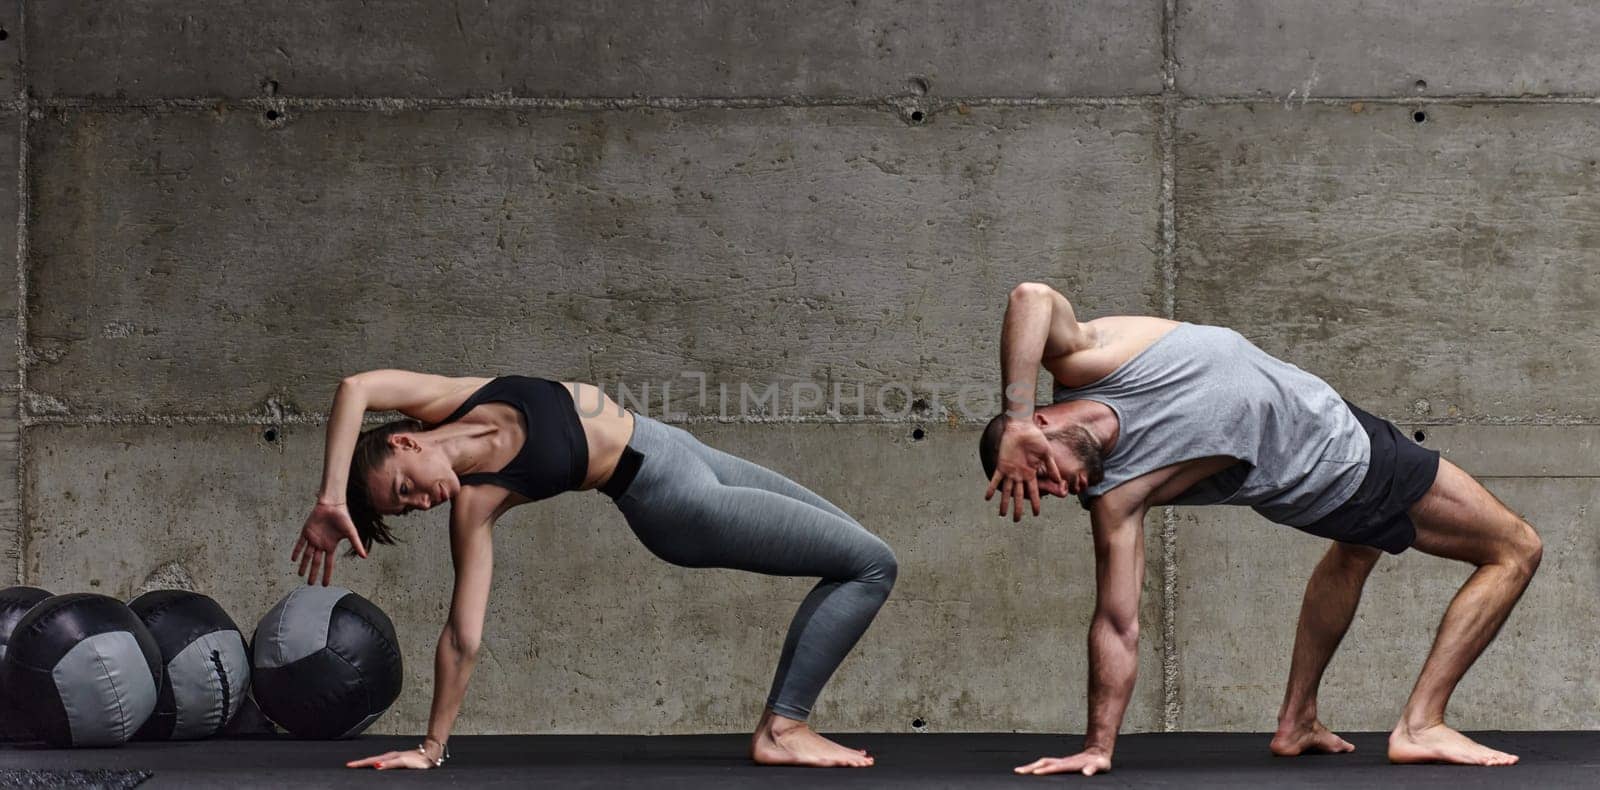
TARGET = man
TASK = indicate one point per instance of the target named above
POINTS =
(1151, 412)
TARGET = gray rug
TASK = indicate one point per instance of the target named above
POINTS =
(101, 779)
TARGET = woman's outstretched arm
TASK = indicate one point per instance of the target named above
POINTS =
(424, 396)
(472, 550)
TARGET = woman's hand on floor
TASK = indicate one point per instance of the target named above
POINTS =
(411, 758)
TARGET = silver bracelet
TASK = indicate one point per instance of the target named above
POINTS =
(444, 752)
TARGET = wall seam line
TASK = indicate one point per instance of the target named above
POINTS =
(1171, 701)
(888, 103)
(23, 196)
(894, 104)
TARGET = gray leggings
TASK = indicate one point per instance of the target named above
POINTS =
(702, 508)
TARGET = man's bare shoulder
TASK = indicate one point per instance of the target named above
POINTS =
(1113, 340)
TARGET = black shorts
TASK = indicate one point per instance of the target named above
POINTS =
(1400, 472)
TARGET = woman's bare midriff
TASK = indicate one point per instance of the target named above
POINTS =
(607, 431)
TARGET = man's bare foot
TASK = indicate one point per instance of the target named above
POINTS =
(784, 741)
(1440, 744)
(1293, 740)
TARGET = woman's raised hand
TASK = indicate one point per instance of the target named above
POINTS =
(325, 527)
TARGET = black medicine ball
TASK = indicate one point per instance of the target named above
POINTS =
(14, 603)
(326, 663)
(82, 670)
(206, 665)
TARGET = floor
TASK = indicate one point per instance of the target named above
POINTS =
(1557, 759)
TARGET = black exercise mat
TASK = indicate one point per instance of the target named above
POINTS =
(1179, 760)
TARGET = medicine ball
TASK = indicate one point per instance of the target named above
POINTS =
(326, 663)
(205, 662)
(82, 670)
(14, 603)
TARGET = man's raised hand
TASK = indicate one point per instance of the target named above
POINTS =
(1024, 452)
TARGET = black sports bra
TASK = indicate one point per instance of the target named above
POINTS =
(555, 454)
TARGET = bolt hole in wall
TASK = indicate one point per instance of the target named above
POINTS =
(918, 434)
(919, 724)
(1419, 436)
(1419, 116)
(273, 115)
(270, 434)
(917, 116)
(4, 34)
(1421, 85)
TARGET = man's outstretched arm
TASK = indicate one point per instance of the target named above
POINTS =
(1114, 632)
(1113, 640)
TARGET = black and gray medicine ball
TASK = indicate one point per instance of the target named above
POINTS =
(326, 663)
(206, 665)
(14, 603)
(82, 670)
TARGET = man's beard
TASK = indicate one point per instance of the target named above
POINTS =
(1082, 444)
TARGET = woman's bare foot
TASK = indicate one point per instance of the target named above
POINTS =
(1293, 740)
(783, 741)
(1440, 744)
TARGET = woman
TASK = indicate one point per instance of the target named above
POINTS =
(488, 445)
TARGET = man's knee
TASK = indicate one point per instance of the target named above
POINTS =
(1526, 549)
(1519, 550)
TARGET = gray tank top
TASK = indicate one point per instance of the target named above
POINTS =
(1202, 391)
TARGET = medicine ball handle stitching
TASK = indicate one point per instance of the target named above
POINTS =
(116, 696)
(222, 676)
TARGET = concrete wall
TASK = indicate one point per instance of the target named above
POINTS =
(224, 206)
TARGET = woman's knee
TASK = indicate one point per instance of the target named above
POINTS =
(879, 566)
